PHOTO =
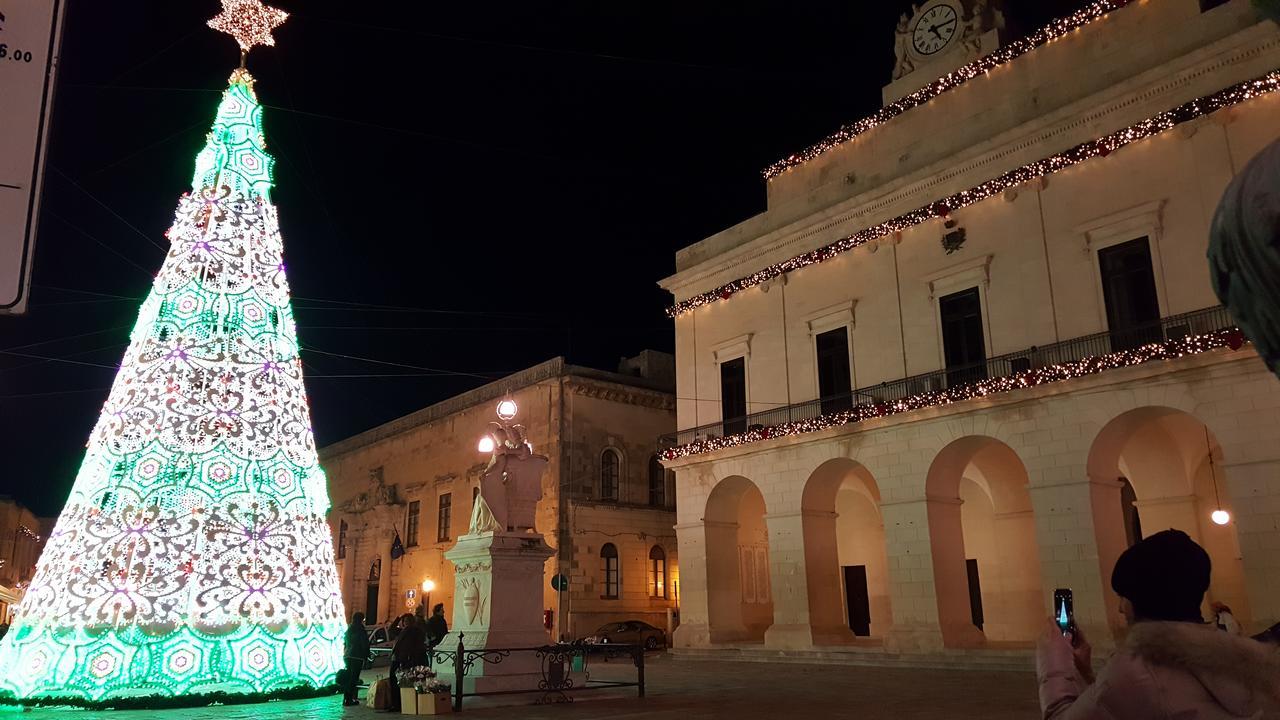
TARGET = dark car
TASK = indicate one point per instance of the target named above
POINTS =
(631, 632)
(379, 645)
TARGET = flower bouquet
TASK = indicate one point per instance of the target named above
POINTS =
(421, 693)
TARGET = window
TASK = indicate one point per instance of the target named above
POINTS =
(444, 517)
(657, 483)
(963, 345)
(1129, 292)
(657, 572)
(342, 539)
(733, 395)
(835, 389)
(609, 558)
(610, 471)
(411, 524)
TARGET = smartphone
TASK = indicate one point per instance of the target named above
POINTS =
(1063, 612)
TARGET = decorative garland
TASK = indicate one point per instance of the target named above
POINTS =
(1168, 350)
(951, 80)
(165, 702)
(1101, 147)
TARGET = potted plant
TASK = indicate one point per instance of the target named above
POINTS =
(422, 694)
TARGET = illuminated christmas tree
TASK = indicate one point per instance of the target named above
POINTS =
(193, 556)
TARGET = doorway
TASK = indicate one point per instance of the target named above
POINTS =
(963, 344)
(371, 592)
(857, 599)
(1129, 292)
(975, 593)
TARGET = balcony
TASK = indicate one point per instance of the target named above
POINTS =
(1167, 330)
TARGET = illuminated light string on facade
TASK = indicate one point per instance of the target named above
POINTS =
(1168, 350)
(193, 557)
(1100, 147)
(954, 79)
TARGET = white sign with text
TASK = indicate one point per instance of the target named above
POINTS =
(30, 33)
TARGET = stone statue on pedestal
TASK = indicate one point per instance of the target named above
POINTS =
(499, 564)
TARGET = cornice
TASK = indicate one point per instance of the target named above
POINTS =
(1232, 59)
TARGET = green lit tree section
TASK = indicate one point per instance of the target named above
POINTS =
(193, 556)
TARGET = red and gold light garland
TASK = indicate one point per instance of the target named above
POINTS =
(951, 80)
(1100, 147)
(1168, 350)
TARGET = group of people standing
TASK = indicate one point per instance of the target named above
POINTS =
(414, 636)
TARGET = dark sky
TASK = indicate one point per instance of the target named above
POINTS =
(529, 167)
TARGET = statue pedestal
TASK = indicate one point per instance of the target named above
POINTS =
(497, 604)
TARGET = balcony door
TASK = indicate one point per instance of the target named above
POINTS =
(733, 395)
(835, 387)
(964, 346)
(1129, 292)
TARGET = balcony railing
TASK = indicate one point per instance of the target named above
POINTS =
(1175, 327)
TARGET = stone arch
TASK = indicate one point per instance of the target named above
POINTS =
(986, 560)
(844, 538)
(1174, 463)
(739, 592)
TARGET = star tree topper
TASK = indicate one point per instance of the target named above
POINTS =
(249, 22)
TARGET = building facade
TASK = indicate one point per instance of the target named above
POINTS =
(607, 503)
(22, 537)
(971, 351)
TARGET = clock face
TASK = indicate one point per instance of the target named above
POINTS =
(935, 29)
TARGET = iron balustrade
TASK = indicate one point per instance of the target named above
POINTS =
(1174, 327)
(565, 668)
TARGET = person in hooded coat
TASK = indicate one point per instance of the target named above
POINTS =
(355, 654)
(1171, 665)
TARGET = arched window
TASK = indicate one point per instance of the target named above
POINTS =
(610, 471)
(657, 572)
(609, 559)
(657, 483)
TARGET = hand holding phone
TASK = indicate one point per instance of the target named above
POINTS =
(1064, 612)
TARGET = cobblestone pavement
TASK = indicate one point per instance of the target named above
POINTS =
(698, 689)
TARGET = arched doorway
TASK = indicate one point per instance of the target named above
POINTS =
(986, 561)
(844, 550)
(371, 591)
(1174, 466)
(739, 592)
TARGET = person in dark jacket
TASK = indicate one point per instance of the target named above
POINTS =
(356, 654)
(437, 628)
(410, 651)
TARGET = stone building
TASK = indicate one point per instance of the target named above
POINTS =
(607, 505)
(970, 351)
(22, 537)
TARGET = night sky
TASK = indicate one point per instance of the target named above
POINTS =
(466, 187)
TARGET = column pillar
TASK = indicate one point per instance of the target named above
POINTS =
(1255, 498)
(1080, 531)
(695, 625)
(930, 608)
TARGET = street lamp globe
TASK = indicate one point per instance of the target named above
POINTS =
(428, 585)
(507, 409)
(486, 444)
(1220, 516)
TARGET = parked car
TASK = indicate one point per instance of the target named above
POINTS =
(379, 645)
(631, 632)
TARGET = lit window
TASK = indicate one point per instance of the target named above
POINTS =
(609, 556)
(657, 572)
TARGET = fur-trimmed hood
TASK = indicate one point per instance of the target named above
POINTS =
(1242, 674)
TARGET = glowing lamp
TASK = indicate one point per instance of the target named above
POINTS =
(507, 409)
(1220, 516)
(486, 444)
(428, 585)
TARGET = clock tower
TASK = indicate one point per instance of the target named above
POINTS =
(938, 36)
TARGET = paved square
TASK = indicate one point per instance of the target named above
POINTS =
(695, 689)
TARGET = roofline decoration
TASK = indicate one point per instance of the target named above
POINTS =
(950, 81)
(941, 208)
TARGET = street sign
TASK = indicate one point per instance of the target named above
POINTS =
(559, 582)
(30, 36)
